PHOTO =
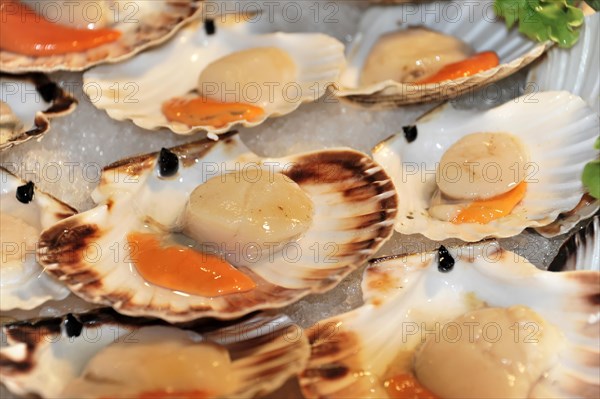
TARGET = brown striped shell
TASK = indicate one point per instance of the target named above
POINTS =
(50, 101)
(352, 353)
(355, 205)
(142, 23)
(264, 350)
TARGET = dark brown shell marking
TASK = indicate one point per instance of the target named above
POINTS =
(61, 103)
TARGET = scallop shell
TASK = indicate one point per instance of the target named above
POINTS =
(355, 204)
(406, 290)
(42, 212)
(265, 350)
(475, 23)
(143, 24)
(581, 251)
(587, 207)
(574, 69)
(33, 110)
(172, 70)
(569, 128)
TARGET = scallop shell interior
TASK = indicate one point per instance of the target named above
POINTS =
(474, 23)
(33, 99)
(26, 286)
(142, 23)
(269, 348)
(553, 174)
(352, 353)
(172, 70)
(574, 69)
(354, 208)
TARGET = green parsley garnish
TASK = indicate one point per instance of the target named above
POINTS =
(557, 20)
(591, 174)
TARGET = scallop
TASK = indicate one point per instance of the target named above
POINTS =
(24, 212)
(97, 354)
(461, 322)
(473, 25)
(27, 103)
(270, 251)
(551, 173)
(573, 70)
(211, 77)
(141, 24)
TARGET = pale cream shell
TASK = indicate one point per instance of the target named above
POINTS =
(568, 128)
(475, 23)
(136, 89)
(42, 212)
(574, 70)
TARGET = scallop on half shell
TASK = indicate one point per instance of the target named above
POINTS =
(292, 68)
(27, 102)
(473, 23)
(25, 211)
(141, 23)
(534, 328)
(576, 71)
(98, 354)
(556, 129)
(353, 206)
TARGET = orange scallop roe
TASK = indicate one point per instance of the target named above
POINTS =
(484, 211)
(23, 31)
(201, 111)
(406, 386)
(182, 269)
(471, 66)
